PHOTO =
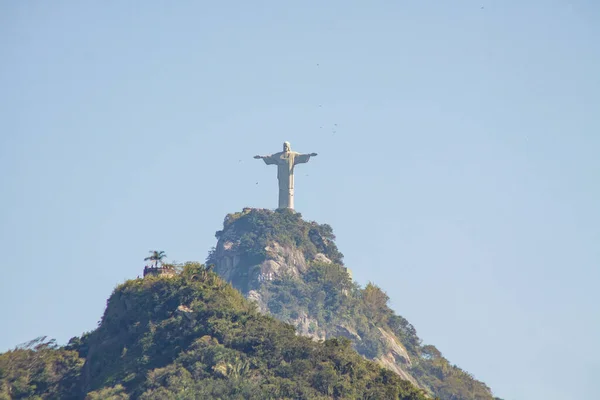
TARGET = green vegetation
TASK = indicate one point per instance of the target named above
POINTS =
(193, 336)
(326, 294)
(156, 257)
(253, 230)
(333, 303)
(39, 370)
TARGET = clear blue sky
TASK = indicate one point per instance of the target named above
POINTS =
(463, 175)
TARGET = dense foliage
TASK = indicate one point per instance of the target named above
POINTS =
(254, 229)
(335, 305)
(327, 295)
(193, 336)
(39, 370)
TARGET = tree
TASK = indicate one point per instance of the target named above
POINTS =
(375, 302)
(156, 257)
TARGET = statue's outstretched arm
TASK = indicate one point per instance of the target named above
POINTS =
(267, 159)
(303, 158)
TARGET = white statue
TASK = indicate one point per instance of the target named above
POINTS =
(286, 161)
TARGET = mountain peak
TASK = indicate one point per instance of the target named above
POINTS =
(293, 270)
(259, 245)
(298, 327)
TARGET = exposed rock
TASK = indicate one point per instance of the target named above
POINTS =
(388, 361)
(288, 261)
(188, 313)
(306, 326)
(396, 358)
(256, 297)
(227, 259)
(322, 258)
(281, 261)
(396, 348)
(345, 331)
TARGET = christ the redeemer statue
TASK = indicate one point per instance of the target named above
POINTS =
(286, 161)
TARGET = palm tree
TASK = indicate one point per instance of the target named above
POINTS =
(156, 257)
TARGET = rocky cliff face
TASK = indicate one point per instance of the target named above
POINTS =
(292, 269)
(281, 261)
(253, 276)
(288, 262)
(396, 357)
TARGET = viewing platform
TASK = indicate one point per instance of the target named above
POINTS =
(159, 271)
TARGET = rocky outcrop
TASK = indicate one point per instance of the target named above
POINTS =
(344, 331)
(396, 357)
(281, 262)
(322, 258)
(256, 297)
(278, 261)
(307, 326)
(289, 262)
(396, 349)
(187, 313)
(227, 259)
(388, 361)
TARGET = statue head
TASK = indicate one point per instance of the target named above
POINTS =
(287, 147)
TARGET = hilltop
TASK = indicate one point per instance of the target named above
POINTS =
(294, 271)
(274, 314)
(191, 335)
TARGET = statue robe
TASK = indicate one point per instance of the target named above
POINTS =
(285, 162)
